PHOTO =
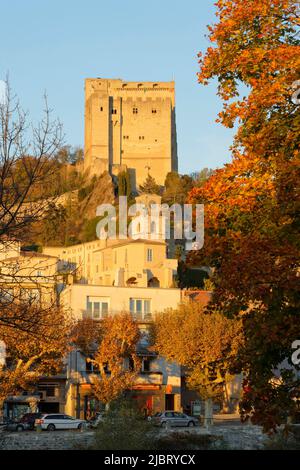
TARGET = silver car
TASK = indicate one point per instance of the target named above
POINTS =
(173, 418)
(52, 421)
(17, 426)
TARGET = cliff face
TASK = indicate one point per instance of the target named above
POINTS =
(101, 193)
(71, 217)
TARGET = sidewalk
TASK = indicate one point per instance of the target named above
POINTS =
(223, 419)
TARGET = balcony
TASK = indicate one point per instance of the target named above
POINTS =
(149, 378)
(142, 317)
(138, 317)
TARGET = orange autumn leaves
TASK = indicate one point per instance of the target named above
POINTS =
(36, 345)
(255, 44)
(112, 342)
(252, 204)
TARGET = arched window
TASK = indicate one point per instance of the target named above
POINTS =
(153, 282)
(131, 281)
(153, 227)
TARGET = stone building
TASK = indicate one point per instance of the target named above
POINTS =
(130, 125)
(29, 277)
(129, 263)
(35, 279)
(158, 385)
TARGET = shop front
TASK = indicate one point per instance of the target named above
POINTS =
(16, 406)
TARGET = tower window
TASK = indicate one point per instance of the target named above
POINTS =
(126, 137)
(146, 364)
(113, 111)
(101, 108)
(134, 110)
(141, 137)
(153, 111)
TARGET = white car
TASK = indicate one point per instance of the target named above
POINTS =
(52, 421)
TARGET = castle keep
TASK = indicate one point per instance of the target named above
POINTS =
(130, 125)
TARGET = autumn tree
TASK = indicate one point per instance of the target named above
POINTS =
(87, 335)
(112, 347)
(27, 160)
(27, 164)
(52, 229)
(204, 343)
(252, 204)
(36, 346)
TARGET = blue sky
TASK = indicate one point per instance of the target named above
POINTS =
(53, 45)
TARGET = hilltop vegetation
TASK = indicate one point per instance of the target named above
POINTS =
(71, 218)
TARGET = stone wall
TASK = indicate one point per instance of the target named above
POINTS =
(58, 440)
(236, 437)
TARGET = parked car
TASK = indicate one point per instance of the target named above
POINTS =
(173, 418)
(29, 418)
(95, 420)
(16, 426)
(52, 421)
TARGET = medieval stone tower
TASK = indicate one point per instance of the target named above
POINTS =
(130, 125)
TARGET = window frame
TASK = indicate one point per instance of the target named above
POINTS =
(144, 312)
(102, 309)
(149, 255)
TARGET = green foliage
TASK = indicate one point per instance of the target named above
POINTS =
(177, 188)
(205, 343)
(124, 184)
(188, 277)
(200, 177)
(69, 154)
(124, 428)
(186, 440)
(89, 229)
(150, 186)
(283, 440)
(87, 190)
(84, 192)
(54, 225)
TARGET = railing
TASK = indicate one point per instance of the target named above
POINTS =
(139, 317)
(152, 378)
(143, 378)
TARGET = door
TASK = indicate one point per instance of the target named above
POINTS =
(169, 401)
(149, 405)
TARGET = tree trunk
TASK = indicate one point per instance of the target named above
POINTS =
(208, 412)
